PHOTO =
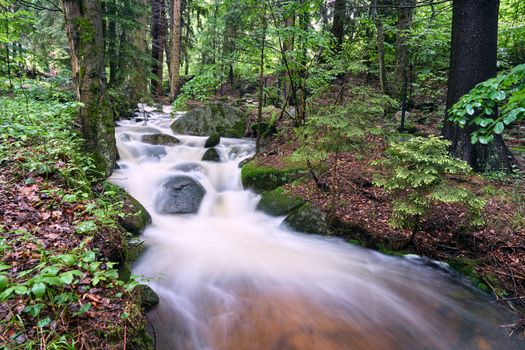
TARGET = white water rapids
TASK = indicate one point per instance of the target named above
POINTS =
(230, 277)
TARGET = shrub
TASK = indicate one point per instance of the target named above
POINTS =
(416, 175)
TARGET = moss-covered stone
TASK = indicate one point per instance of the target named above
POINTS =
(211, 155)
(265, 178)
(148, 298)
(136, 217)
(308, 219)
(467, 267)
(213, 140)
(277, 202)
(160, 140)
(214, 117)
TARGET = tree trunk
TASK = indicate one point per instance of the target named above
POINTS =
(338, 26)
(84, 28)
(175, 50)
(139, 86)
(473, 60)
(261, 84)
(405, 14)
(380, 47)
(158, 35)
(111, 42)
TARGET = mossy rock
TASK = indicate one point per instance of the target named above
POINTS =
(211, 155)
(160, 140)
(308, 219)
(278, 202)
(267, 129)
(265, 178)
(352, 231)
(214, 117)
(136, 217)
(148, 298)
(213, 140)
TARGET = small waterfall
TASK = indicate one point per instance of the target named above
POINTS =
(230, 277)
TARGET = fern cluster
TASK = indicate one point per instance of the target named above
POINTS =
(417, 177)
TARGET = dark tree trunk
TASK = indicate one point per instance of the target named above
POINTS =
(404, 22)
(111, 42)
(158, 36)
(86, 43)
(380, 47)
(139, 84)
(473, 60)
(338, 26)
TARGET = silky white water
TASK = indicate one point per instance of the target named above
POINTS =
(230, 277)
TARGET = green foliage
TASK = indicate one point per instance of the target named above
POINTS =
(199, 88)
(480, 106)
(416, 176)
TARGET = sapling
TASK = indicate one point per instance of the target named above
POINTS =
(416, 175)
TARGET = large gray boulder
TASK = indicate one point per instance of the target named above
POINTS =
(212, 118)
(179, 195)
(211, 155)
(160, 140)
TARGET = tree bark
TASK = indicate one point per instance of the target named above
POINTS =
(338, 25)
(473, 59)
(175, 49)
(380, 37)
(405, 15)
(139, 85)
(158, 36)
(111, 42)
(84, 28)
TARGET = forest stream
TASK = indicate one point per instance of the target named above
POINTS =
(230, 277)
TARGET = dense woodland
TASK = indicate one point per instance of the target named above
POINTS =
(402, 121)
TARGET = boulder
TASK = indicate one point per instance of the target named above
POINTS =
(214, 117)
(308, 219)
(261, 178)
(136, 217)
(179, 195)
(148, 298)
(154, 151)
(213, 140)
(160, 140)
(211, 155)
(278, 202)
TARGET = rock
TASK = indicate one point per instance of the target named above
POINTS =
(266, 178)
(308, 219)
(179, 195)
(136, 217)
(188, 167)
(135, 249)
(148, 298)
(211, 155)
(160, 139)
(214, 117)
(278, 202)
(155, 151)
(213, 140)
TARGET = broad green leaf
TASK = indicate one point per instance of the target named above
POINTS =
(4, 282)
(39, 289)
(498, 129)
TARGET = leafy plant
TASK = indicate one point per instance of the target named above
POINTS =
(480, 106)
(416, 175)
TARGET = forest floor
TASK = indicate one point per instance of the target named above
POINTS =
(492, 257)
(59, 234)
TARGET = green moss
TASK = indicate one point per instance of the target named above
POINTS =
(265, 178)
(467, 267)
(278, 202)
(391, 252)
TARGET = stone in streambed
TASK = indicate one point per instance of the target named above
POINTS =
(211, 155)
(136, 217)
(179, 195)
(148, 298)
(160, 140)
(213, 140)
(308, 219)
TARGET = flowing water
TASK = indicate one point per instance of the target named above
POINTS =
(231, 277)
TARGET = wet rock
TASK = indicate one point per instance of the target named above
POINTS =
(266, 178)
(179, 195)
(136, 217)
(160, 139)
(124, 138)
(213, 140)
(188, 167)
(278, 202)
(148, 298)
(308, 219)
(214, 117)
(155, 151)
(211, 155)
